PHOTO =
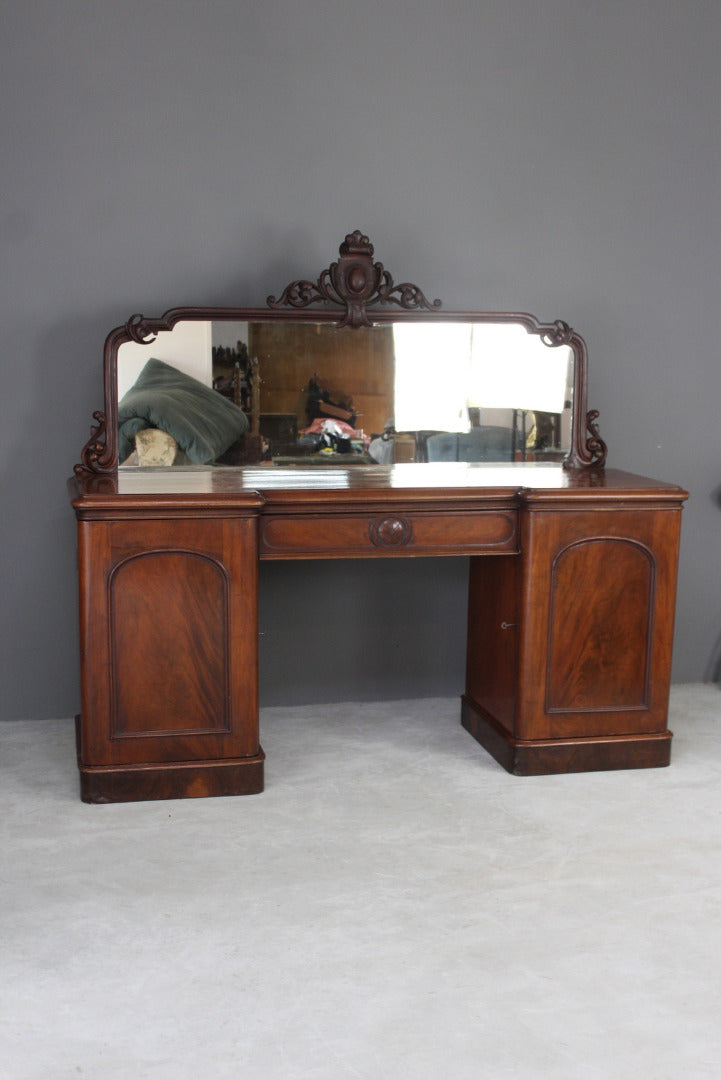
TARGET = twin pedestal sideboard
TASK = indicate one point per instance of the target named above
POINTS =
(571, 600)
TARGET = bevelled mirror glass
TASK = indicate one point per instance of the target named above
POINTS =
(315, 393)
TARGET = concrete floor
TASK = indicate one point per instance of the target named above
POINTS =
(394, 907)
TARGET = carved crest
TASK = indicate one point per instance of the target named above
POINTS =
(356, 283)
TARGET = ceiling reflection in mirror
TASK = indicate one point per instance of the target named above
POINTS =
(303, 393)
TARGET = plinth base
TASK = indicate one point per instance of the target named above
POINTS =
(542, 757)
(171, 780)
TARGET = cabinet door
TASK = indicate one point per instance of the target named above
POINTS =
(169, 640)
(598, 597)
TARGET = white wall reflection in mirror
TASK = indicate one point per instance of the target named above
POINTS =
(441, 370)
(187, 348)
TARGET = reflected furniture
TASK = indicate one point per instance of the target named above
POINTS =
(572, 577)
(488, 443)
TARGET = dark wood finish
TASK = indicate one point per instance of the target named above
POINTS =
(583, 655)
(151, 625)
(601, 661)
(380, 535)
(569, 626)
(494, 613)
(179, 780)
(542, 758)
(168, 625)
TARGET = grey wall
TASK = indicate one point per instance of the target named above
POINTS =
(544, 155)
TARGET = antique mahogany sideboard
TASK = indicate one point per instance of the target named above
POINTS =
(571, 589)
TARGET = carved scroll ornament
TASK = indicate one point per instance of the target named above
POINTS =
(595, 445)
(593, 450)
(93, 450)
(356, 283)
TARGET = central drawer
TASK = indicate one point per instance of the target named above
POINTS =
(387, 533)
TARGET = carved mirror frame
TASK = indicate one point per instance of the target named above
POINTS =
(354, 284)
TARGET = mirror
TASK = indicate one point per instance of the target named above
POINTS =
(388, 379)
(316, 393)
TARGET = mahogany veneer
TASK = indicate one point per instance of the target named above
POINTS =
(570, 622)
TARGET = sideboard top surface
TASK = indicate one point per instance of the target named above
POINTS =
(447, 482)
